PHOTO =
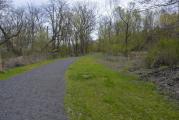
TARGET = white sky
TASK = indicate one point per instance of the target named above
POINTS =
(99, 3)
(102, 6)
(24, 2)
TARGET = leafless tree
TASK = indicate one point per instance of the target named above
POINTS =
(3, 5)
(55, 12)
(126, 17)
(11, 25)
(33, 23)
(83, 22)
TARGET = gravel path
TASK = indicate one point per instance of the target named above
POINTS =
(36, 95)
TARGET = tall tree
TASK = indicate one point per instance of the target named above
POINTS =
(126, 17)
(11, 25)
(84, 23)
(55, 12)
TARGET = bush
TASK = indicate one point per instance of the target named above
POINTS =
(165, 53)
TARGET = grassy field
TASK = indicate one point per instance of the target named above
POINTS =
(95, 92)
(18, 70)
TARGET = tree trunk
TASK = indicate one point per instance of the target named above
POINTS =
(1, 67)
(126, 39)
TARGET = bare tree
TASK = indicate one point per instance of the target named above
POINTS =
(33, 23)
(83, 22)
(11, 25)
(3, 5)
(55, 13)
(126, 17)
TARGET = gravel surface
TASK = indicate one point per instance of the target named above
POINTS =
(35, 95)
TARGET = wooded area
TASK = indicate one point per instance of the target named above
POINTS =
(144, 26)
(50, 30)
(60, 28)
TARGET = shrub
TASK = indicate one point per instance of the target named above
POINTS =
(165, 53)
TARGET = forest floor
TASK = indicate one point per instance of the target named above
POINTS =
(166, 78)
(97, 92)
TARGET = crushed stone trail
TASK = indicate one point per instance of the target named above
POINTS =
(35, 95)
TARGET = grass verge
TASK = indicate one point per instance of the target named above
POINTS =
(95, 92)
(18, 70)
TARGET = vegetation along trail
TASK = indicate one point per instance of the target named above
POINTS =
(35, 95)
(95, 92)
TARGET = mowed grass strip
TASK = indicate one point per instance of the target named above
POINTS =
(95, 92)
(18, 70)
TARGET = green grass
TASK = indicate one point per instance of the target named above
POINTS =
(18, 70)
(95, 92)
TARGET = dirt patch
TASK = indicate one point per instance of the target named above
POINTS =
(166, 78)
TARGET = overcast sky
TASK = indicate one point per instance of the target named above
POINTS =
(101, 5)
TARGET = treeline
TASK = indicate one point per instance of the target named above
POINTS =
(55, 28)
(154, 29)
(60, 28)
